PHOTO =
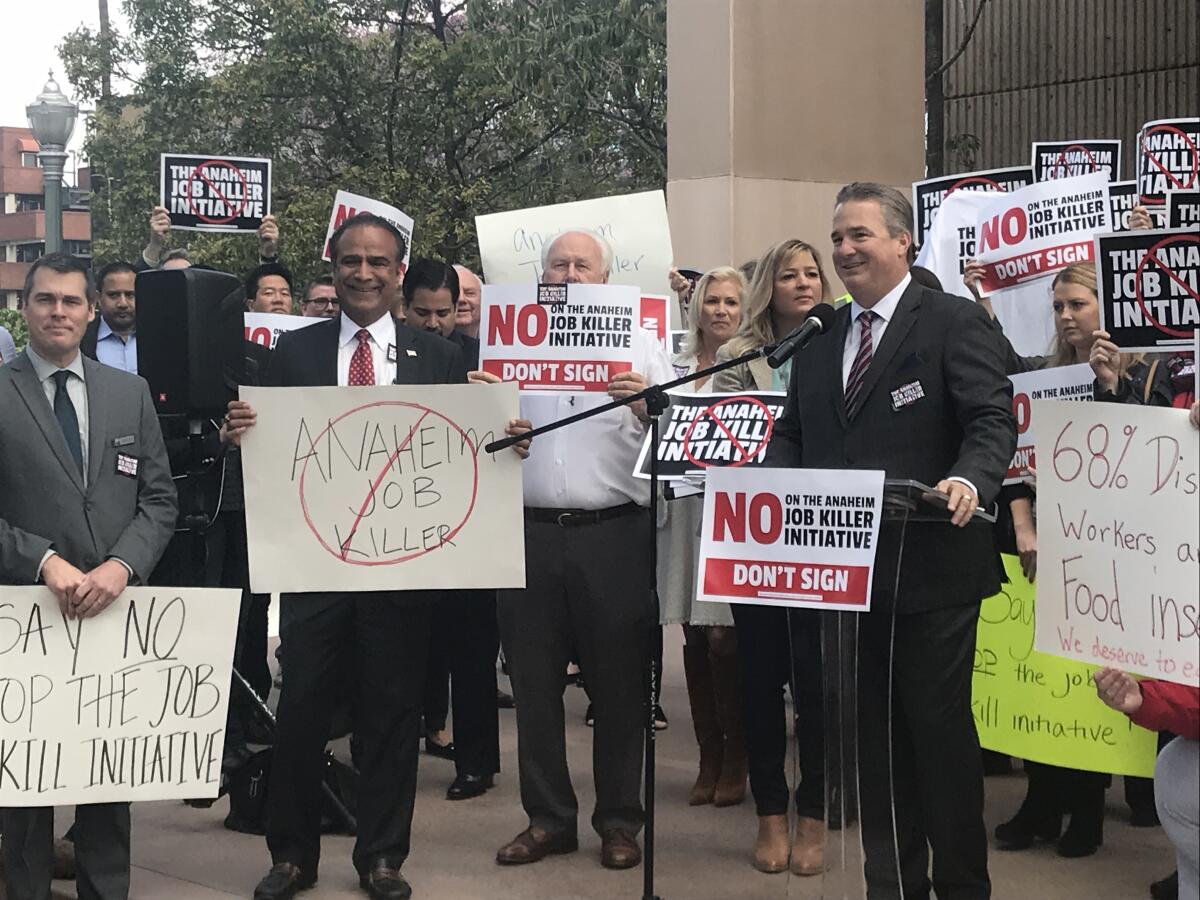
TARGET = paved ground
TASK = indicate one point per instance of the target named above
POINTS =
(185, 854)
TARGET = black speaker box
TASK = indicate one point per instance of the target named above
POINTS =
(191, 337)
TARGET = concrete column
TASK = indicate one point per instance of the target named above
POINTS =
(773, 105)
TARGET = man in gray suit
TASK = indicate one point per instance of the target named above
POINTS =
(87, 506)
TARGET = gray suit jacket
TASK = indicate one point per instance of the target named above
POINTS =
(43, 502)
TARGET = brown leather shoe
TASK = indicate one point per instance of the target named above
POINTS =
(771, 845)
(534, 844)
(808, 847)
(619, 849)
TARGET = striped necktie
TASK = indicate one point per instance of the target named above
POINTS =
(862, 362)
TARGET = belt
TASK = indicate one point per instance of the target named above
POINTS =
(569, 518)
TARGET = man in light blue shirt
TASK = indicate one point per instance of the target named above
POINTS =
(111, 338)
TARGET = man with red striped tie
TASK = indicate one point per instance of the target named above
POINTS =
(910, 380)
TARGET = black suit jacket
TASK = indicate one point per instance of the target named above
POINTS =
(469, 347)
(91, 335)
(963, 425)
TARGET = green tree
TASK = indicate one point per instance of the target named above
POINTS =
(15, 323)
(447, 110)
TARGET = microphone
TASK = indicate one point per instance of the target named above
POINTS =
(819, 318)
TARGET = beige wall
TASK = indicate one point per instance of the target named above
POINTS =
(775, 104)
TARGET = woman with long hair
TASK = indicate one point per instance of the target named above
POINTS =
(778, 646)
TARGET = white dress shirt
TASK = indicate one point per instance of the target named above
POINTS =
(383, 336)
(589, 465)
(885, 311)
(76, 390)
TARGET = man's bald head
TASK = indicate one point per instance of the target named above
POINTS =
(577, 256)
(470, 290)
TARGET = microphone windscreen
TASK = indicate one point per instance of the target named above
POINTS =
(823, 313)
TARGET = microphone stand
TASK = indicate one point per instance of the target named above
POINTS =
(656, 404)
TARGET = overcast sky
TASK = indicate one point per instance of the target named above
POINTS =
(33, 49)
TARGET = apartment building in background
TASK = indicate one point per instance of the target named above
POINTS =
(23, 216)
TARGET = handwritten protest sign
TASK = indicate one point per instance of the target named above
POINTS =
(1036, 706)
(346, 205)
(790, 537)
(635, 226)
(1061, 383)
(568, 337)
(1149, 288)
(701, 431)
(1066, 159)
(1122, 198)
(265, 328)
(127, 705)
(1183, 210)
(1119, 537)
(1168, 158)
(215, 193)
(1040, 229)
(382, 488)
(929, 194)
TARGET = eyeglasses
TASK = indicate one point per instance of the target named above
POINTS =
(322, 301)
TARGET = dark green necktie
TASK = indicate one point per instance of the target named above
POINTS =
(68, 421)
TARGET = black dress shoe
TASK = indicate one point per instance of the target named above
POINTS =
(1166, 888)
(465, 787)
(1019, 833)
(383, 882)
(441, 751)
(283, 882)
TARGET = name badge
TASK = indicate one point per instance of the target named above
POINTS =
(391, 353)
(127, 465)
(907, 395)
(123, 441)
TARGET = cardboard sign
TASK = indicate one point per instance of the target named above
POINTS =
(1036, 706)
(265, 328)
(1119, 537)
(215, 193)
(790, 537)
(1065, 159)
(1183, 210)
(700, 431)
(1149, 282)
(1168, 158)
(1122, 198)
(127, 705)
(929, 194)
(382, 488)
(675, 343)
(570, 337)
(635, 226)
(1062, 383)
(654, 316)
(346, 204)
(1040, 229)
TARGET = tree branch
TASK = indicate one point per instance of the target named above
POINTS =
(961, 47)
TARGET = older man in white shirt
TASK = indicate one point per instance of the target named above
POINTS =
(587, 539)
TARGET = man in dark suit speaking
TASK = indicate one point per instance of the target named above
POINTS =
(87, 506)
(911, 381)
(384, 635)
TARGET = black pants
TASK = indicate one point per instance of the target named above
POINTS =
(101, 838)
(588, 589)
(778, 647)
(924, 771)
(385, 636)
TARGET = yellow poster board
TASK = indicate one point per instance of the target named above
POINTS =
(1040, 707)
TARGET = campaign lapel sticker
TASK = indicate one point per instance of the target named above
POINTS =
(391, 353)
(127, 465)
(907, 395)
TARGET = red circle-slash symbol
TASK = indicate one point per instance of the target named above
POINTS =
(744, 455)
(1150, 257)
(973, 181)
(343, 553)
(200, 174)
(1178, 183)
(1061, 165)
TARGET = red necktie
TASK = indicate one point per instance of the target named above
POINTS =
(362, 368)
(862, 361)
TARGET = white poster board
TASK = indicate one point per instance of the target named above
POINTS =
(567, 338)
(127, 705)
(382, 488)
(635, 225)
(264, 329)
(1119, 537)
(346, 205)
(790, 537)
(1060, 383)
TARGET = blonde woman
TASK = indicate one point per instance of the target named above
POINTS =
(710, 642)
(778, 646)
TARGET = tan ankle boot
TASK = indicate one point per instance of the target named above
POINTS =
(808, 848)
(771, 845)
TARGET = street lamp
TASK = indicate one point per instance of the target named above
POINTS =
(52, 120)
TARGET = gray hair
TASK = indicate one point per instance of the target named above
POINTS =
(897, 211)
(606, 250)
